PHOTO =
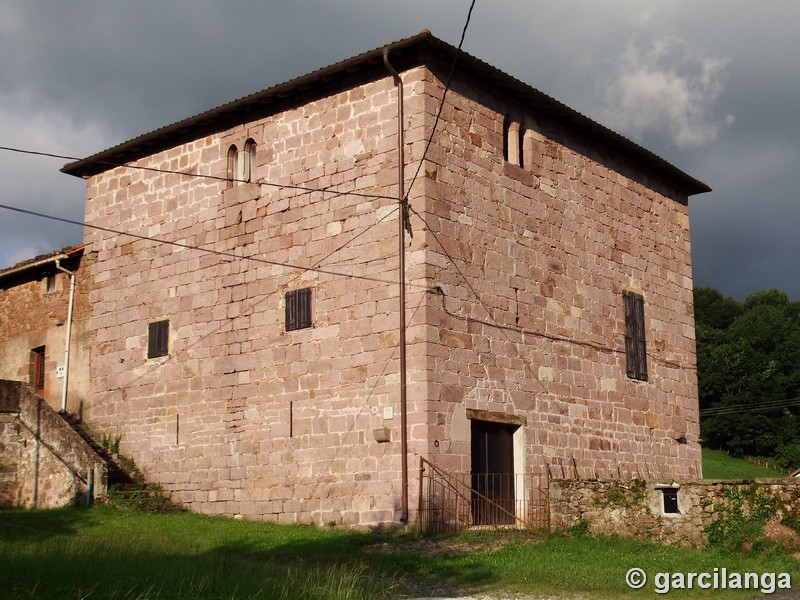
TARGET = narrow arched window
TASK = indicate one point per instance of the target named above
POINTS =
(506, 126)
(248, 161)
(230, 173)
(512, 138)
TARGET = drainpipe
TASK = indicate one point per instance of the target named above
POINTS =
(401, 225)
(69, 333)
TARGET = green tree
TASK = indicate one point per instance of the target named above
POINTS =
(714, 310)
(748, 355)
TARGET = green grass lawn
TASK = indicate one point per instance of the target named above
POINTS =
(112, 553)
(718, 465)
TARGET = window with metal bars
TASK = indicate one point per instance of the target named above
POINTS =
(158, 339)
(635, 339)
(298, 309)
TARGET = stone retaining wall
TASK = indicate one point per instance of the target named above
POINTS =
(44, 463)
(636, 508)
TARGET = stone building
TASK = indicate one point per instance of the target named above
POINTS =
(43, 303)
(35, 314)
(248, 340)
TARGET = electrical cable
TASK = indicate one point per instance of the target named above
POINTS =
(208, 250)
(348, 242)
(444, 96)
(301, 188)
(516, 329)
(714, 411)
(493, 322)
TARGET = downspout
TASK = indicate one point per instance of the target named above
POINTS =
(69, 333)
(401, 229)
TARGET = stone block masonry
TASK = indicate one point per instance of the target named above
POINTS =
(531, 261)
(243, 417)
(637, 508)
(32, 317)
(44, 463)
(515, 274)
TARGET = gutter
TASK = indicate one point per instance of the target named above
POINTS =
(38, 263)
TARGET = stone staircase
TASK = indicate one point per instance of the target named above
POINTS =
(44, 463)
(116, 474)
(127, 487)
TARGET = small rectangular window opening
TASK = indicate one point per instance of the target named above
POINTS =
(635, 341)
(298, 309)
(158, 339)
(670, 501)
(50, 284)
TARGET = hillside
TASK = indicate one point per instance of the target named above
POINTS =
(718, 465)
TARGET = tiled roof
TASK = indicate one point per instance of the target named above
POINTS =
(30, 263)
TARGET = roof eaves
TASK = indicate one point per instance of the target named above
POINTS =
(238, 111)
(405, 53)
(42, 260)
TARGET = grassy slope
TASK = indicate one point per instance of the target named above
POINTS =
(718, 465)
(108, 553)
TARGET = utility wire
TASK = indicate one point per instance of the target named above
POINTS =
(444, 96)
(300, 188)
(751, 405)
(714, 411)
(348, 242)
(208, 250)
(494, 323)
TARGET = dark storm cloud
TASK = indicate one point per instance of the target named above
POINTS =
(712, 89)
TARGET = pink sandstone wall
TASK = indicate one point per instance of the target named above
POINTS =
(243, 418)
(548, 248)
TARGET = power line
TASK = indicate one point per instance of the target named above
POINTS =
(494, 323)
(348, 242)
(208, 250)
(300, 188)
(444, 95)
(714, 411)
(750, 405)
(506, 328)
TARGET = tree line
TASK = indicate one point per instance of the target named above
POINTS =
(748, 372)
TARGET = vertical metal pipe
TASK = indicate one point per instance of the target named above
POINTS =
(69, 334)
(401, 237)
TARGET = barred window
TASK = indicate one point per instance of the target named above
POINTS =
(298, 309)
(158, 339)
(635, 341)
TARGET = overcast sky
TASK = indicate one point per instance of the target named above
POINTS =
(710, 85)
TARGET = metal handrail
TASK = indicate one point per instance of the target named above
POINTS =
(447, 476)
